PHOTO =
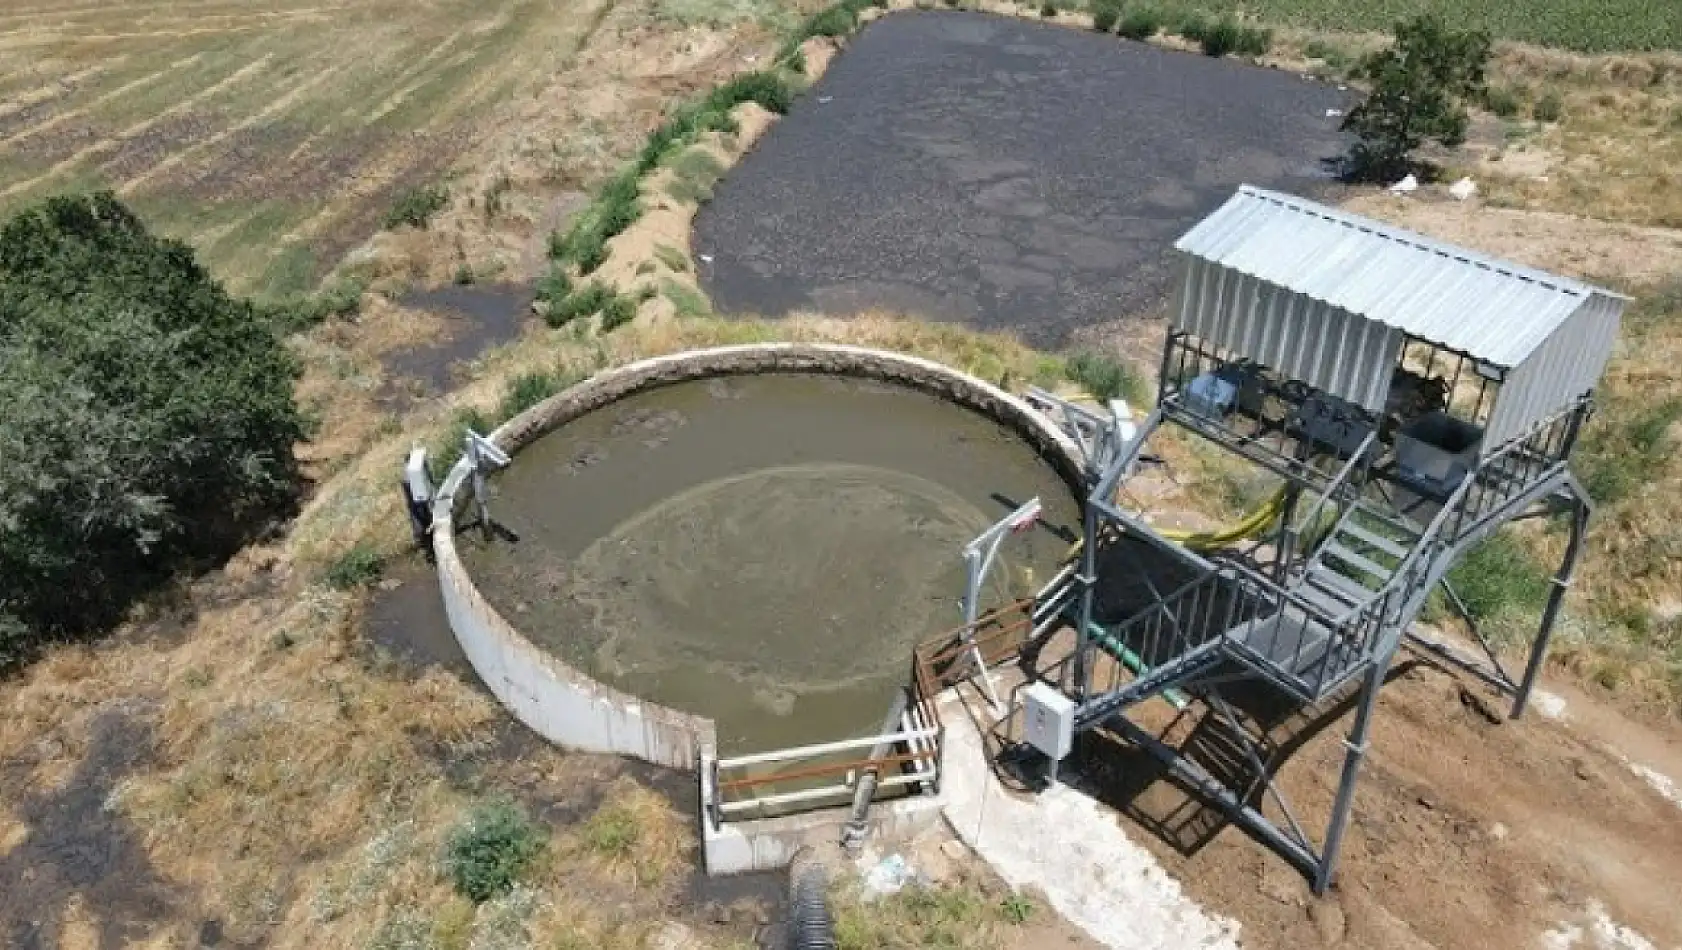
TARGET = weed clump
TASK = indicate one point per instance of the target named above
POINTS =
(1227, 35)
(1140, 23)
(525, 391)
(618, 311)
(358, 567)
(686, 301)
(1549, 108)
(416, 206)
(1105, 378)
(1502, 101)
(1105, 15)
(487, 853)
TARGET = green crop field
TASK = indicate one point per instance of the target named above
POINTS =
(272, 135)
(1586, 25)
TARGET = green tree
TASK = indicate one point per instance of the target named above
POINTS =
(1419, 90)
(149, 419)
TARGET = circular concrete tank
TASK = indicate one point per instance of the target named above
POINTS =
(751, 537)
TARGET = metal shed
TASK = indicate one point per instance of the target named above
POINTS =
(1336, 300)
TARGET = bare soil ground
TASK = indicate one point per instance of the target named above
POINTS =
(1467, 830)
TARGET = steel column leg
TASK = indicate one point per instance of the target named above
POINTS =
(1357, 749)
(1550, 613)
(1089, 589)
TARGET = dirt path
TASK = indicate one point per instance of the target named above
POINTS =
(1468, 830)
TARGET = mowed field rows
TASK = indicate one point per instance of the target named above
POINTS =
(271, 134)
(1594, 26)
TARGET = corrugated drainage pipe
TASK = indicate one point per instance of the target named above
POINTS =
(809, 925)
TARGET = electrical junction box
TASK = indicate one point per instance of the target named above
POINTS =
(1048, 720)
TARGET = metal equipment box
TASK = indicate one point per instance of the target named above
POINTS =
(1436, 450)
(1048, 720)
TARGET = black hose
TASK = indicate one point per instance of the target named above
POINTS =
(810, 926)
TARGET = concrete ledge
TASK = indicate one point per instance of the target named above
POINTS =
(571, 709)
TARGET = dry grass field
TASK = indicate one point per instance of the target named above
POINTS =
(271, 135)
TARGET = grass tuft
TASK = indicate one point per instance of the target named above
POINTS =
(416, 206)
(686, 301)
(1105, 378)
(1140, 23)
(357, 567)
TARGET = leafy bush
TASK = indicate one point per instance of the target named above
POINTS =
(553, 286)
(1227, 35)
(583, 302)
(488, 852)
(1419, 90)
(358, 567)
(1220, 38)
(1105, 15)
(525, 391)
(1047, 10)
(1502, 101)
(149, 419)
(1549, 108)
(1254, 41)
(416, 206)
(1140, 23)
(618, 311)
(614, 209)
(1105, 378)
(1193, 26)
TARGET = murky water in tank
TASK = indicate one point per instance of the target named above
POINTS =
(762, 550)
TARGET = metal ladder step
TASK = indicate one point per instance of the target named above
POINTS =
(1331, 582)
(1338, 552)
(1373, 539)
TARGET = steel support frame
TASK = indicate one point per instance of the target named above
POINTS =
(1491, 671)
(1318, 865)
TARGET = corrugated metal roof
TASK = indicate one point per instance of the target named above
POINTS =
(1489, 309)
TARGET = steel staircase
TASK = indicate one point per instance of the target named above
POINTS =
(1359, 557)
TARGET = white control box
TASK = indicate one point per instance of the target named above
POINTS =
(1048, 720)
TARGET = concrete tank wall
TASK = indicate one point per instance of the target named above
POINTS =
(573, 710)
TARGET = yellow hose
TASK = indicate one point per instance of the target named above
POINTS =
(1249, 526)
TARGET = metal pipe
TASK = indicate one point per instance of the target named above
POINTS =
(858, 825)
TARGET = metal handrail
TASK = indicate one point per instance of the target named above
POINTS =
(1336, 483)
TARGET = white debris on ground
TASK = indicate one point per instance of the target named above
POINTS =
(1663, 784)
(1406, 186)
(1594, 930)
(889, 875)
(1463, 189)
(1073, 849)
(1547, 704)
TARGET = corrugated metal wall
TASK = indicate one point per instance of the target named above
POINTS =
(1322, 345)
(1566, 365)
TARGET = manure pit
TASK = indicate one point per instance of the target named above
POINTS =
(1005, 174)
(762, 550)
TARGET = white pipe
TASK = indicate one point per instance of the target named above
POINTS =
(809, 751)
